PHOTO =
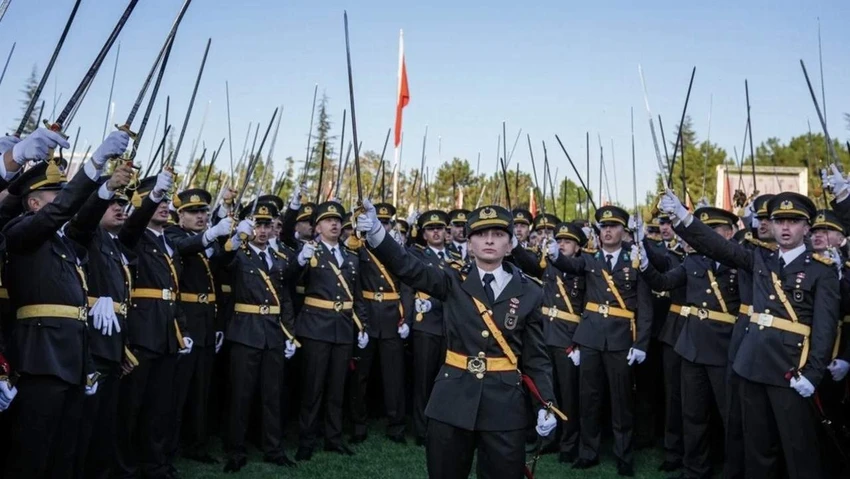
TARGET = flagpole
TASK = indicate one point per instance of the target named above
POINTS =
(401, 101)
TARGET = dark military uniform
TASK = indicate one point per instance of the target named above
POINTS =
(49, 343)
(108, 275)
(616, 318)
(792, 331)
(326, 328)
(382, 294)
(458, 217)
(563, 304)
(155, 329)
(478, 401)
(709, 314)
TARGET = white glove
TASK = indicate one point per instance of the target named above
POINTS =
(290, 349)
(703, 202)
(187, 341)
(245, 227)
(362, 340)
(91, 390)
(422, 305)
(164, 182)
(749, 213)
(367, 222)
(838, 368)
(7, 394)
(36, 146)
(546, 423)
(554, 251)
(8, 142)
(803, 386)
(575, 356)
(295, 199)
(112, 147)
(307, 252)
(103, 316)
(635, 356)
(222, 228)
(833, 254)
(411, 220)
(637, 228)
(836, 180)
(397, 236)
(670, 204)
(219, 340)
(404, 330)
(639, 252)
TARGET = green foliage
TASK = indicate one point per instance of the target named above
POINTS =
(29, 92)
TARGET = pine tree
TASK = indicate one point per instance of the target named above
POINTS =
(29, 91)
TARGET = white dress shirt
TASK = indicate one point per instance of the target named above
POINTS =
(461, 247)
(501, 279)
(792, 254)
(167, 246)
(615, 257)
(337, 252)
(265, 252)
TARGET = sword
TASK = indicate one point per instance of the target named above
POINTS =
(380, 164)
(340, 167)
(172, 158)
(353, 122)
(750, 130)
(6, 65)
(679, 136)
(212, 163)
(830, 148)
(586, 191)
(309, 137)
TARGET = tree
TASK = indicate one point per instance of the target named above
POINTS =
(29, 91)
(322, 136)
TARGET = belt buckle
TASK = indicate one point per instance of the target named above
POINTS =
(82, 313)
(477, 366)
(685, 311)
(265, 309)
(603, 310)
(166, 294)
(122, 309)
(702, 313)
(203, 299)
(553, 312)
(765, 320)
(338, 306)
(379, 297)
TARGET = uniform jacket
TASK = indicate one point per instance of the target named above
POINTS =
(386, 314)
(432, 321)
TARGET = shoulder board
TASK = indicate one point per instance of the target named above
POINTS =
(589, 250)
(417, 245)
(847, 264)
(822, 259)
(677, 252)
(353, 243)
(532, 278)
(763, 244)
(465, 269)
(455, 265)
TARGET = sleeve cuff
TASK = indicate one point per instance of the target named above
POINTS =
(104, 193)
(91, 171)
(377, 238)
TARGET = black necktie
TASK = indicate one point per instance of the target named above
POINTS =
(161, 240)
(608, 260)
(781, 267)
(262, 255)
(333, 254)
(441, 255)
(488, 287)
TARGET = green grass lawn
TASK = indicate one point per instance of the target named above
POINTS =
(379, 458)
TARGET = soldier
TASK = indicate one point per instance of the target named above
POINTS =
(478, 401)
(788, 344)
(347, 229)
(259, 337)
(332, 318)
(544, 225)
(387, 331)
(709, 314)
(48, 287)
(563, 304)
(198, 250)
(403, 228)
(457, 233)
(522, 225)
(613, 334)
(156, 334)
(425, 318)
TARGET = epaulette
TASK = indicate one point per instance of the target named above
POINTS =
(466, 268)
(417, 245)
(847, 264)
(455, 265)
(353, 243)
(822, 259)
(678, 252)
(532, 278)
(589, 250)
(763, 244)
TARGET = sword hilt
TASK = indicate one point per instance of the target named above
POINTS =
(126, 129)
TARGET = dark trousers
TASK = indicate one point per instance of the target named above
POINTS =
(323, 381)
(702, 386)
(565, 375)
(46, 417)
(429, 353)
(734, 459)
(674, 445)
(191, 395)
(251, 370)
(649, 396)
(595, 369)
(96, 447)
(778, 423)
(145, 416)
(449, 452)
(391, 351)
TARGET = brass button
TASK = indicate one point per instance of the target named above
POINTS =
(481, 354)
(480, 375)
(485, 334)
(708, 291)
(767, 311)
(446, 375)
(772, 297)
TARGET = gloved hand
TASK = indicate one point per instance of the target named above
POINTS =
(838, 263)
(7, 142)
(422, 305)
(635, 356)
(553, 250)
(295, 199)
(289, 351)
(404, 330)
(103, 316)
(546, 423)
(637, 228)
(222, 228)
(837, 181)
(7, 394)
(112, 147)
(670, 204)
(638, 251)
(36, 146)
(187, 341)
(411, 220)
(397, 236)
(803, 386)
(219, 340)
(245, 227)
(164, 182)
(307, 252)
(575, 356)
(749, 213)
(92, 378)
(703, 202)
(838, 368)
(367, 222)
(362, 340)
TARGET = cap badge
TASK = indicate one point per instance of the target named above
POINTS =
(786, 205)
(487, 213)
(607, 214)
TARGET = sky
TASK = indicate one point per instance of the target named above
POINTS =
(548, 67)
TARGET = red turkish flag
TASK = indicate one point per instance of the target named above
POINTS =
(403, 91)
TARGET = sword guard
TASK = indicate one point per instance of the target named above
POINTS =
(55, 127)
(126, 129)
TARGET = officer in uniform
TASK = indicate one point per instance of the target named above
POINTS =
(457, 233)
(347, 228)
(492, 308)
(198, 250)
(156, 334)
(522, 225)
(332, 319)
(709, 314)
(387, 331)
(259, 336)
(563, 304)
(47, 286)
(789, 341)
(95, 227)
(298, 222)
(544, 225)
(425, 317)
(613, 335)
